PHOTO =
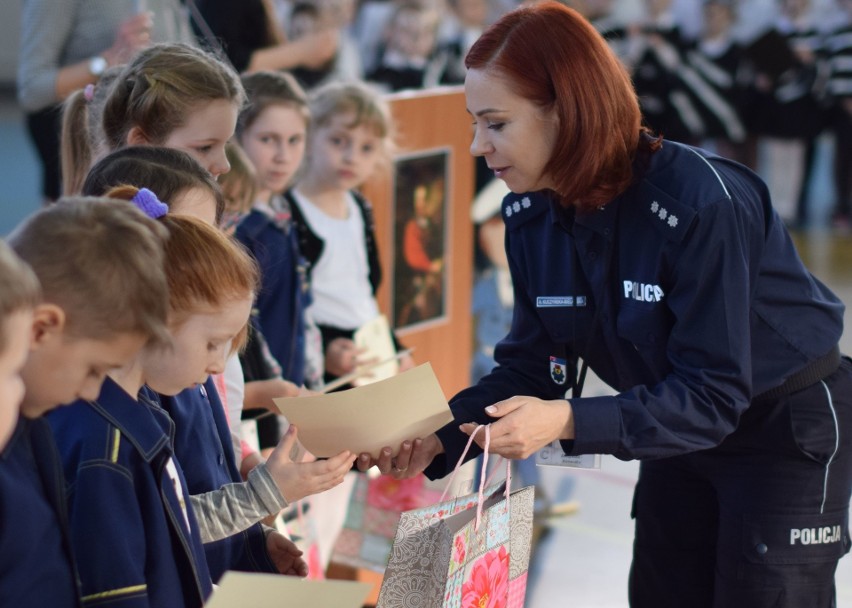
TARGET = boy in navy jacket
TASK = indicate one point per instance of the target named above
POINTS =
(71, 249)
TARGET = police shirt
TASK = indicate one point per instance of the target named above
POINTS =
(684, 293)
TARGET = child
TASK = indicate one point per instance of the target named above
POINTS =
(193, 192)
(171, 95)
(262, 371)
(408, 59)
(101, 304)
(19, 294)
(350, 139)
(272, 130)
(125, 486)
(174, 175)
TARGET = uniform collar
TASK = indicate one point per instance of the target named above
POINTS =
(17, 434)
(146, 427)
(600, 221)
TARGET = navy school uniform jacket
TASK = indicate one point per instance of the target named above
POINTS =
(203, 447)
(283, 293)
(133, 544)
(684, 293)
(36, 563)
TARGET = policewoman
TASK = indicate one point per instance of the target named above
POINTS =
(665, 270)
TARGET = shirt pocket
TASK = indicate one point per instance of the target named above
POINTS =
(566, 324)
(646, 326)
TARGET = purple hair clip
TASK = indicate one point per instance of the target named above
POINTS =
(89, 92)
(148, 202)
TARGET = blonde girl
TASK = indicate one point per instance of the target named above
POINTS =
(171, 95)
(351, 138)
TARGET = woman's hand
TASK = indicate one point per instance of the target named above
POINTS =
(413, 457)
(524, 425)
(296, 479)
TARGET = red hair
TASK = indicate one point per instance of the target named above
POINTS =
(553, 57)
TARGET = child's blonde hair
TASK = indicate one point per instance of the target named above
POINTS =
(156, 92)
(366, 105)
(161, 87)
(239, 185)
(82, 130)
(267, 88)
(102, 264)
(204, 267)
(19, 288)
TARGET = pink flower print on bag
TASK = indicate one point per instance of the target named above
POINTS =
(488, 582)
(459, 549)
(391, 494)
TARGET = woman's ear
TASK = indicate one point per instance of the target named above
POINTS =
(136, 137)
(49, 322)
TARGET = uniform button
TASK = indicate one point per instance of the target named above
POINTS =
(202, 390)
(221, 459)
(761, 549)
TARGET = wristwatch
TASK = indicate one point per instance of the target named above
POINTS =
(97, 66)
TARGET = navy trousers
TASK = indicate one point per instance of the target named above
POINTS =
(758, 522)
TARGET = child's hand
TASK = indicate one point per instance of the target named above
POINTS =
(295, 479)
(286, 556)
(341, 356)
(406, 363)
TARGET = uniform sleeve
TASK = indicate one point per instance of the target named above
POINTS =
(107, 533)
(45, 28)
(237, 506)
(520, 370)
(700, 400)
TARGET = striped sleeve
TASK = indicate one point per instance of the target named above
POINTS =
(237, 506)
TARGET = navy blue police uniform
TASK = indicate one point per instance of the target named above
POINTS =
(686, 295)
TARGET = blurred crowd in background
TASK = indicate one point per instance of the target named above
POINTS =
(760, 81)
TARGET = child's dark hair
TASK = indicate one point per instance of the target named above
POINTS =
(19, 288)
(165, 171)
(102, 264)
(267, 88)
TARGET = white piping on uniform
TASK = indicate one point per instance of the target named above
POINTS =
(728, 194)
(836, 445)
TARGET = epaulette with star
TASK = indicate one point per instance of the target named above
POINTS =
(665, 213)
(517, 209)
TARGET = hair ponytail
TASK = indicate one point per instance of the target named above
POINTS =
(75, 150)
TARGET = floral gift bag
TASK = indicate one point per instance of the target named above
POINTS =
(469, 552)
(374, 510)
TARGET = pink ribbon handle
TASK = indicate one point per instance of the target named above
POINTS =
(484, 479)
